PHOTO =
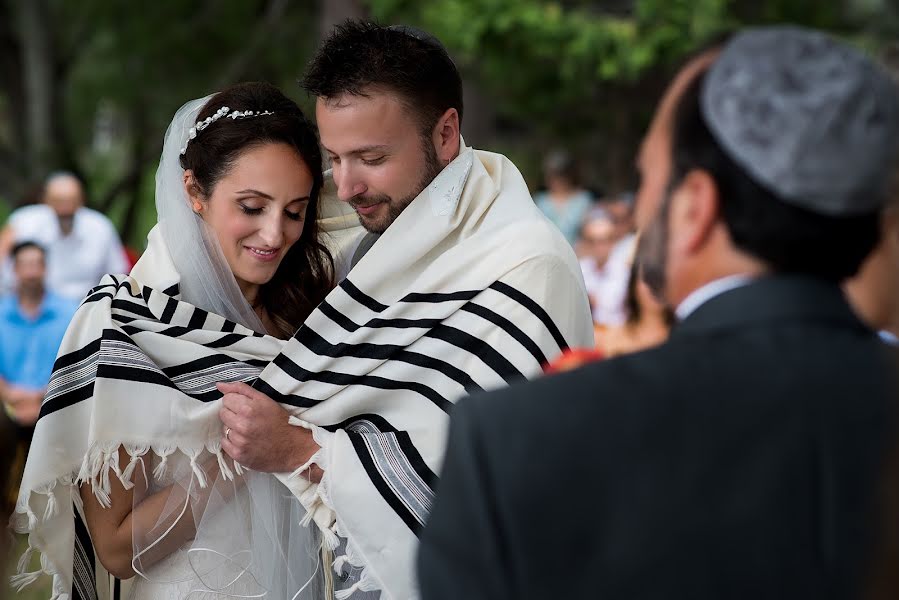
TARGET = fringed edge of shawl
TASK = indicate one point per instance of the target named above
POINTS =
(98, 463)
(320, 508)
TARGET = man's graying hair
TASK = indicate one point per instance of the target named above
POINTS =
(360, 56)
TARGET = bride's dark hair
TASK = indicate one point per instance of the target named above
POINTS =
(306, 274)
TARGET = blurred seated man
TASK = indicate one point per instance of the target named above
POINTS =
(33, 321)
(82, 244)
(7, 453)
(874, 292)
(605, 273)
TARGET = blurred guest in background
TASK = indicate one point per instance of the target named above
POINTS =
(605, 279)
(621, 209)
(7, 455)
(82, 244)
(564, 202)
(33, 321)
(647, 324)
(741, 459)
(874, 292)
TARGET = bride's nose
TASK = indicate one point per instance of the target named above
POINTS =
(272, 232)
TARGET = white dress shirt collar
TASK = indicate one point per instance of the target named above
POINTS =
(701, 295)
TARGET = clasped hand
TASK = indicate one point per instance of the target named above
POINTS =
(256, 433)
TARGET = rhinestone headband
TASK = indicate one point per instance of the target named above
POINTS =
(222, 112)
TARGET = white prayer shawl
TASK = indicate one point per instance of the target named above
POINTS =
(471, 288)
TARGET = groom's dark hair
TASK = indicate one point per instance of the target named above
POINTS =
(411, 63)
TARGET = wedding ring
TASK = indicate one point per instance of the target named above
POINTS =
(227, 433)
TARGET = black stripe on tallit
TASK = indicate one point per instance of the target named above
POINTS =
(289, 399)
(76, 356)
(197, 319)
(405, 442)
(362, 298)
(435, 297)
(208, 362)
(96, 297)
(509, 327)
(320, 346)
(349, 325)
(135, 309)
(478, 347)
(68, 399)
(169, 311)
(380, 423)
(84, 566)
(344, 379)
(172, 290)
(534, 308)
(383, 488)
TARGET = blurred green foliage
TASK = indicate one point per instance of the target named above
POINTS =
(584, 74)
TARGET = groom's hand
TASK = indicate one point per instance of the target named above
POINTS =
(258, 434)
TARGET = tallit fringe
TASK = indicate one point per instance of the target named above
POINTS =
(317, 496)
(98, 463)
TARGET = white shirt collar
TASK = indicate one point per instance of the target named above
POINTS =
(701, 295)
(888, 337)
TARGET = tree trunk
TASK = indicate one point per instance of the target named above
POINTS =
(38, 71)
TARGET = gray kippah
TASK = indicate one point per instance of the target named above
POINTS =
(809, 118)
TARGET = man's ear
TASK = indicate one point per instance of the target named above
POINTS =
(446, 136)
(695, 211)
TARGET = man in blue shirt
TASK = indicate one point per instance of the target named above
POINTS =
(32, 324)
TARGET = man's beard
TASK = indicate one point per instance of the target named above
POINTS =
(652, 251)
(395, 208)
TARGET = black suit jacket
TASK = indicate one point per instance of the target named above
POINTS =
(738, 460)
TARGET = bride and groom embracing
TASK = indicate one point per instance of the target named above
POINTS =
(258, 410)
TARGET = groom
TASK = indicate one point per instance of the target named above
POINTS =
(389, 110)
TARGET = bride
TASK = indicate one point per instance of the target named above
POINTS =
(126, 474)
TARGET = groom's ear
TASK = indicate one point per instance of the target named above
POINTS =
(446, 136)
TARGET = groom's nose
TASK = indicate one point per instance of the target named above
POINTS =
(348, 184)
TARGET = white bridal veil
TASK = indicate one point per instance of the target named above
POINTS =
(248, 541)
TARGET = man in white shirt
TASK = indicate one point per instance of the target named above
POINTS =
(82, 244)
(606, 267)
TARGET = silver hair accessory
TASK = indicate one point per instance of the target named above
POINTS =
(806, 116)
(222, 112)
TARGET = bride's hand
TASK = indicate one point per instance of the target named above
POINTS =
(256, 432)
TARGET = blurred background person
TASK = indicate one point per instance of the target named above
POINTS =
(874, 291)
(7, 454)
(81, 244)
(565, 202)
(33, 321)
(605, 273)
(648, 321)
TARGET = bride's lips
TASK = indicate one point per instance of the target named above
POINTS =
(263, 254)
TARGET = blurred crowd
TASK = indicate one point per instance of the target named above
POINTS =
(52, 253)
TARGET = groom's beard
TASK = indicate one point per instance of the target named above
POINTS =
(394, 207)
